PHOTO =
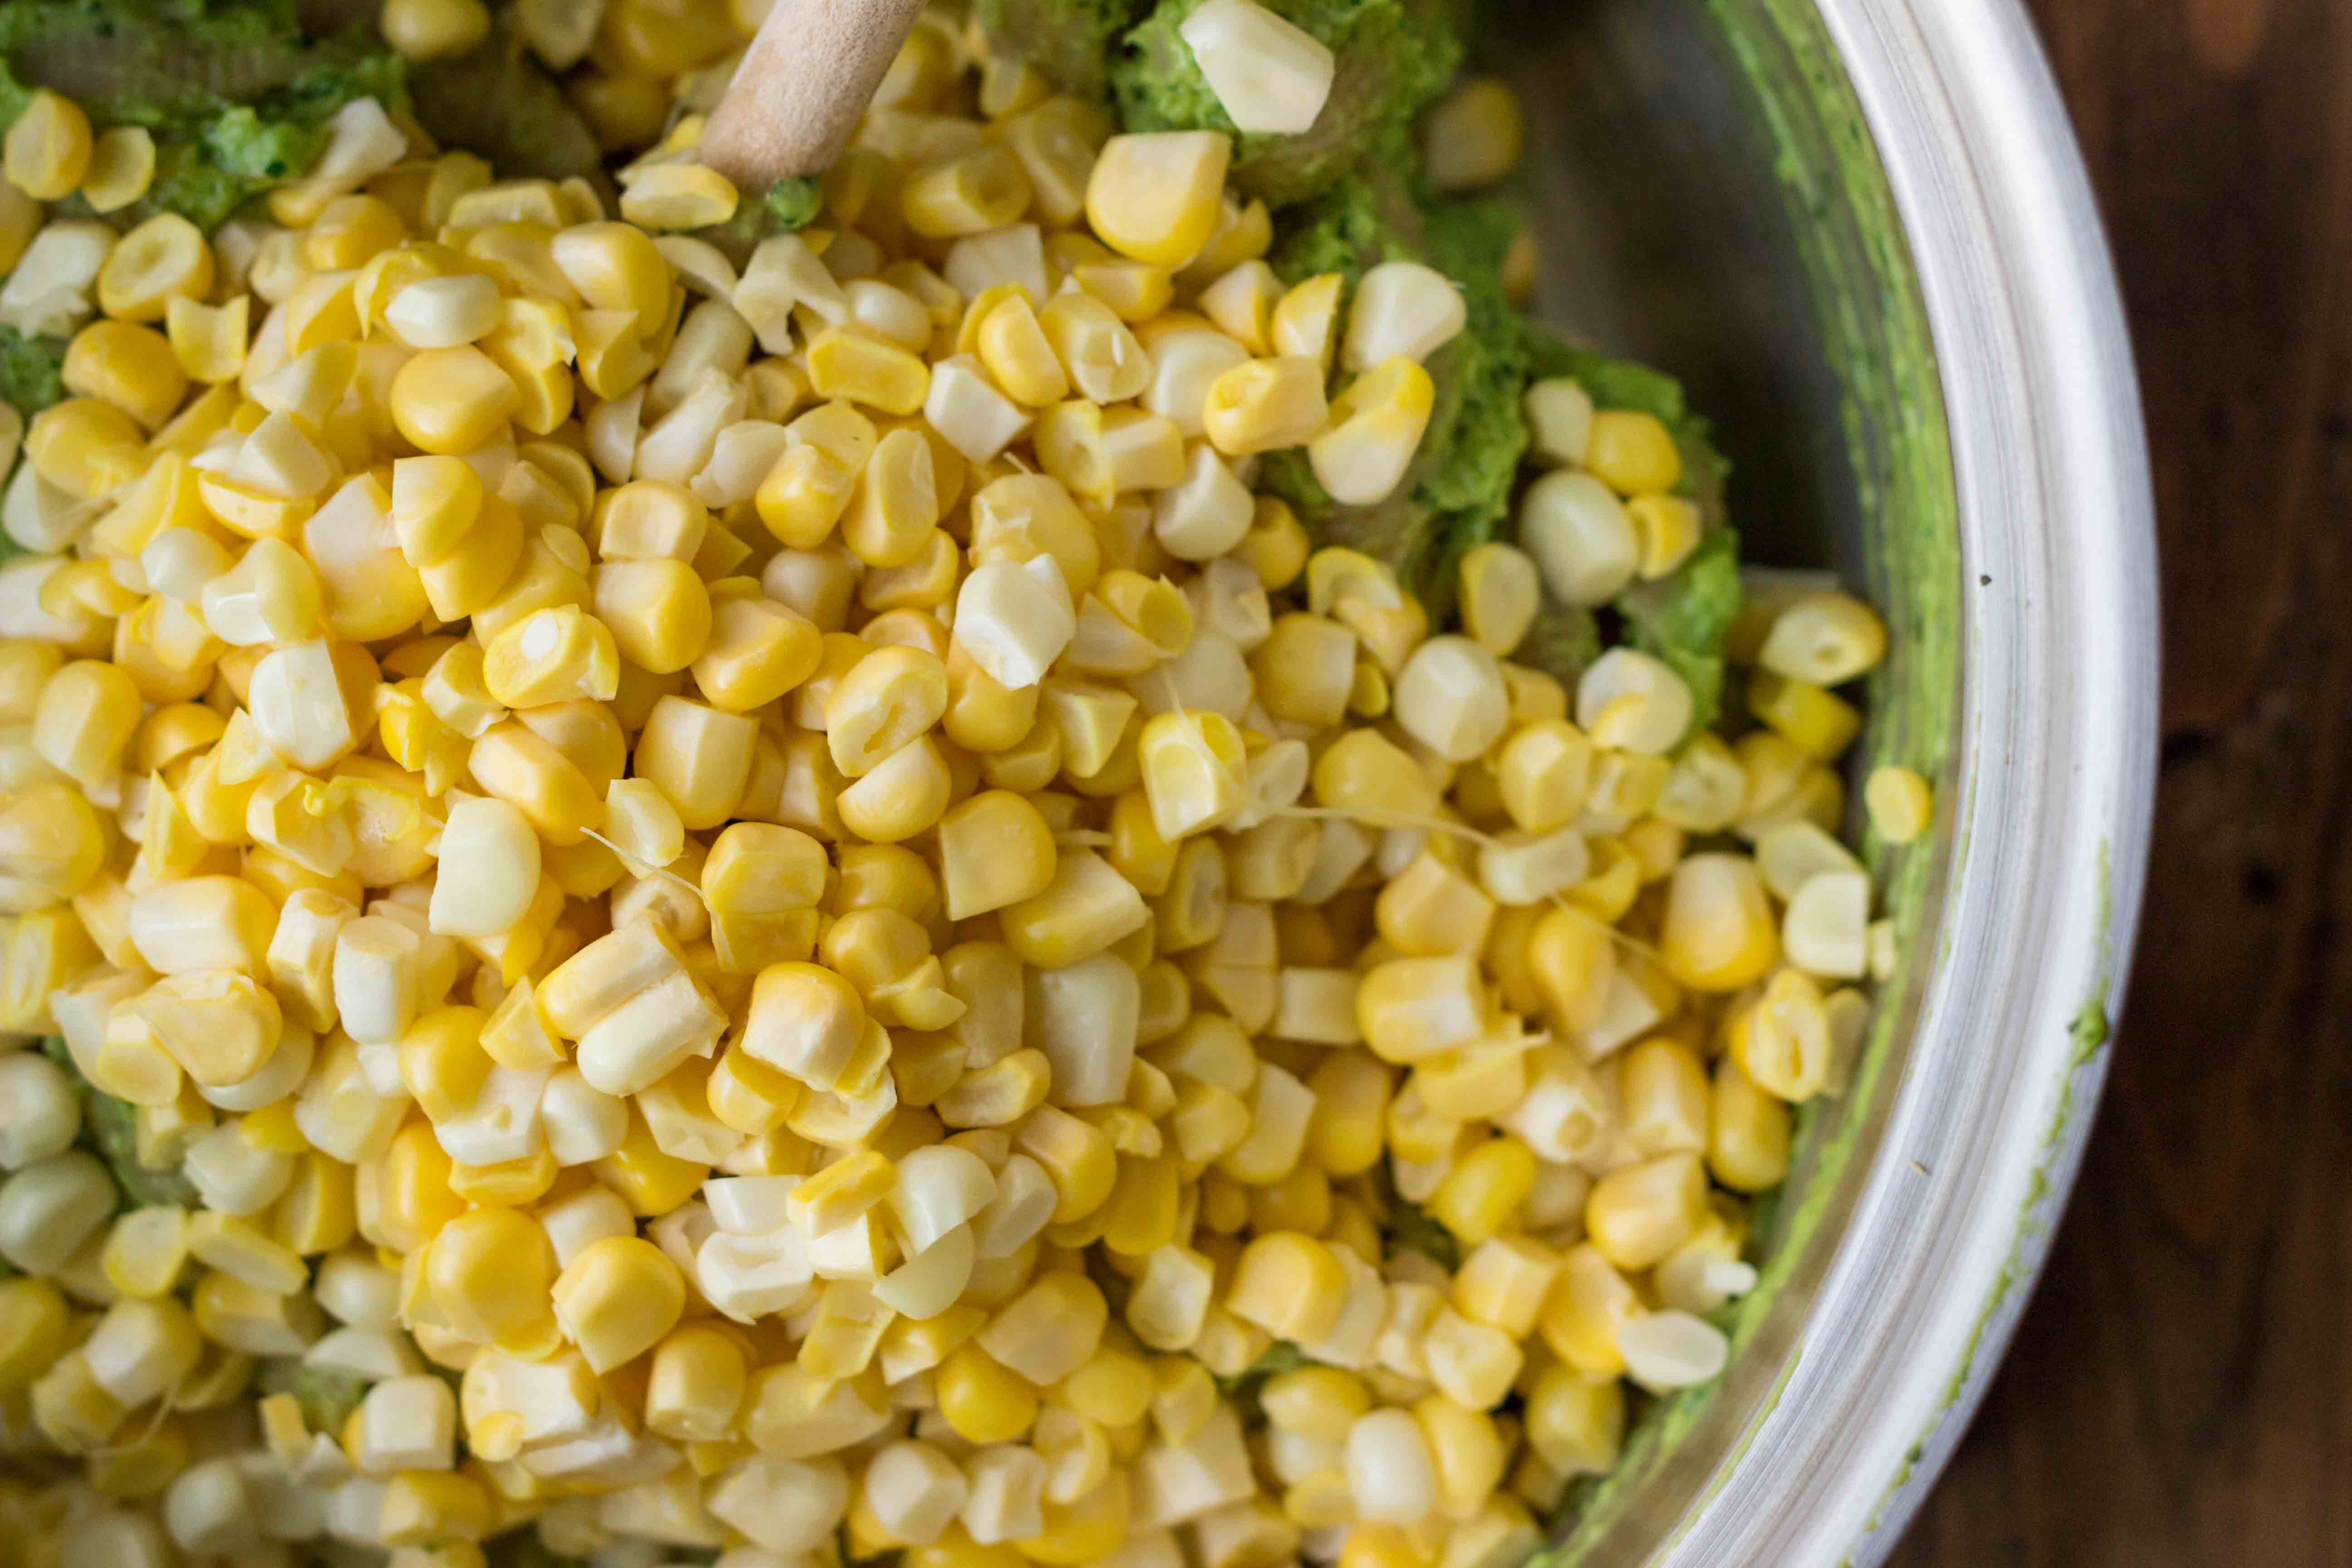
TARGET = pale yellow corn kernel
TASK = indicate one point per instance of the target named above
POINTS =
(1500, 593)
(1667, 530)
(677, 196)
(1827, 638)
(1304, 667)
(208, 342)
(889, 698)
(1369, 777)
(1266, 404)
(985, 188)
(351, 230)
(1100, 356)
(1900, 803)
(1781, 1040)
(452, 401)
(48, 147)
(434, 29)
(700, 757)
(1019, 356)
(1632, 452)
(904, 794)
(164, 257)
(1575, 1419)
(1431, 906)
(553, 655)
(994, 850)
(1193, 768)
(1818, 721)
(895, 504)
(1747, 1132)
(658, 612)
(146, 1253)
(847, 364)
(1471, 137)
(1374, 428)
(842, 1192)
(87, 712)
(696, 1383)
(512, 762)
(1719, 933)
(1587, 1302)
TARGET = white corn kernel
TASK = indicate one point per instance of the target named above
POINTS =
(1014, 618)
(1269, 75)
(442, 312)
(1402, 308)
(1581, 535)
(491, 859)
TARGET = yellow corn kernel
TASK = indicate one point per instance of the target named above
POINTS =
(1288, 1284)
(489, 1272)
(1816, 721)
(132, 367)
(757, 651)
(33, 1330)
(84, 448)
(843, 363)
(697, 1382)
(981, 1400)
(894, 506)
(1154, 196)
(1747, 1132)
(452, 401)
(1900, 803)
(48, 151)
(1666, 529)
(658, 612)
(1719, 933)
(617, 1298)
(1632, 452)
(1575, 1420)
(1781, 1040)
(1018, 354)
(1639, 1214)
(1483, 1190)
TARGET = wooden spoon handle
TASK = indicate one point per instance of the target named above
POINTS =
(804, 81)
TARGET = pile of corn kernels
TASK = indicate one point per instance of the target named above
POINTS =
(772, 907)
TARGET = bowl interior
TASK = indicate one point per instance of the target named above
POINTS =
(1707, 197)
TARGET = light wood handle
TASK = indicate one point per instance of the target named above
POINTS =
(804, 82)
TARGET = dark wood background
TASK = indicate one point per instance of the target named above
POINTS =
(2181, 1393)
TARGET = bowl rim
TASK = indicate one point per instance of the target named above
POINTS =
(2050, 818)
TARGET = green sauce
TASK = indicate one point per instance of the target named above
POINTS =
(238, 97)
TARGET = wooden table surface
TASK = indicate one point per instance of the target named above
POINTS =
(2181, 1393)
